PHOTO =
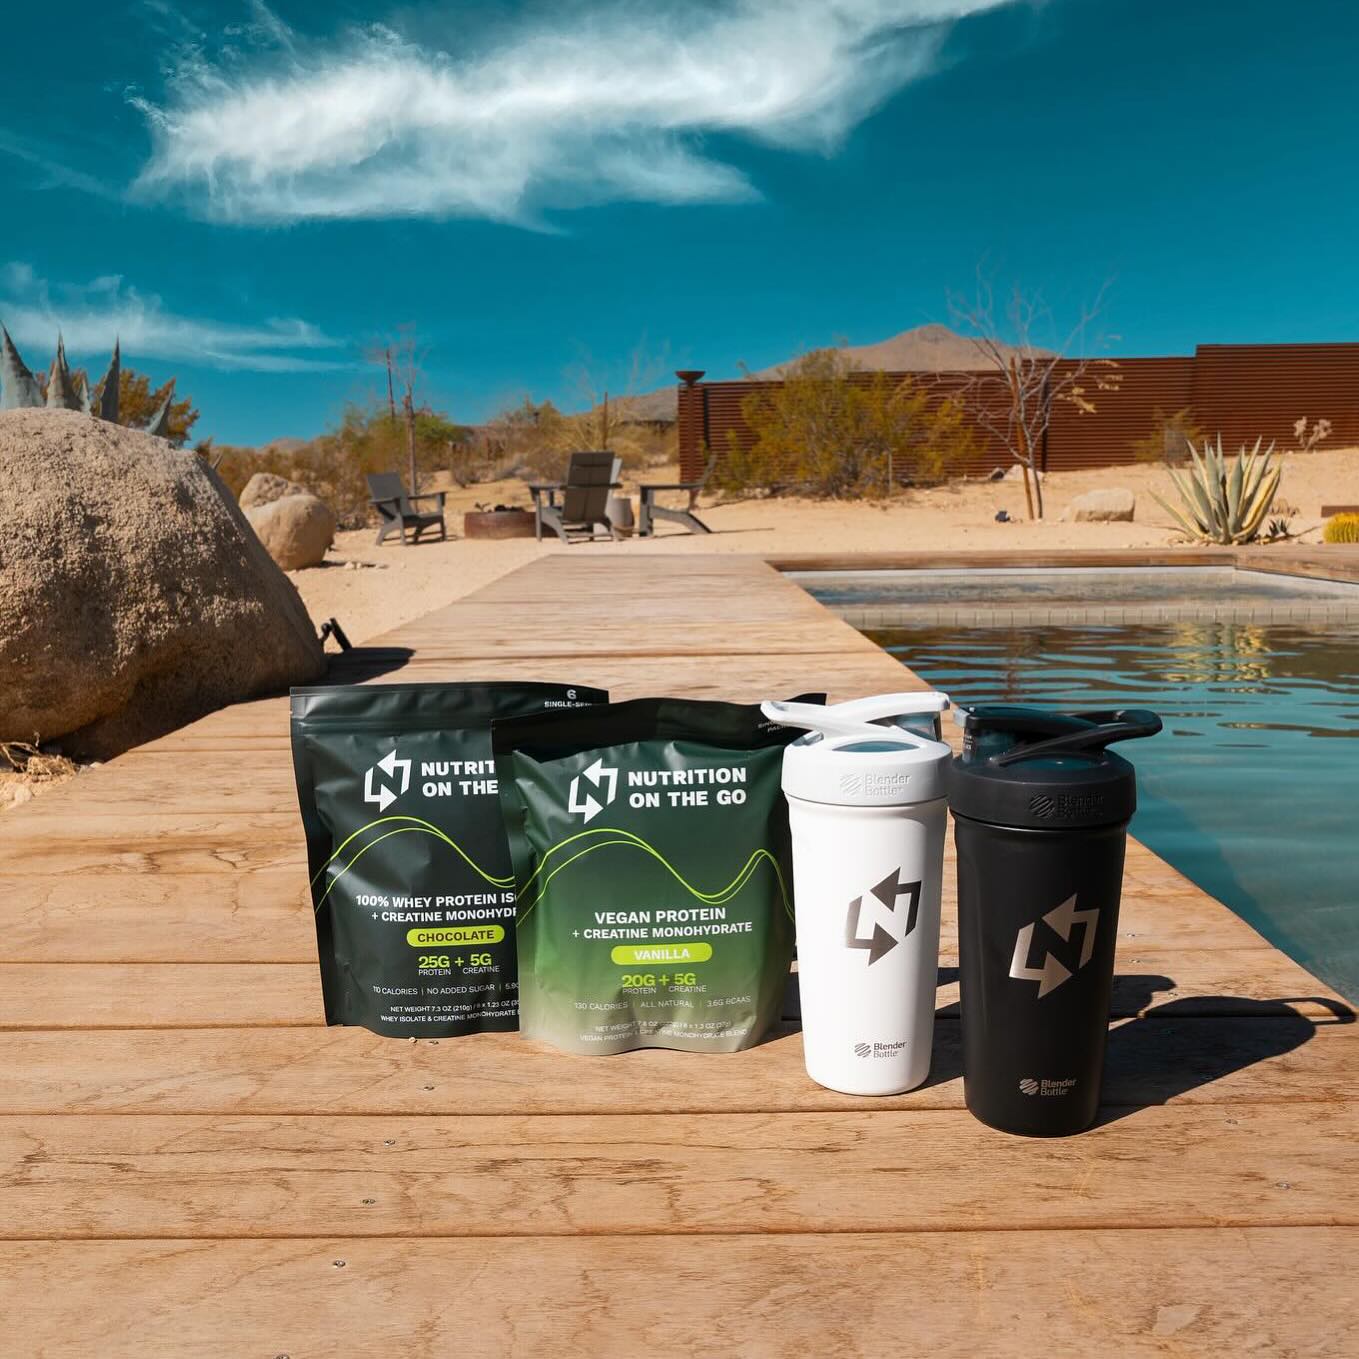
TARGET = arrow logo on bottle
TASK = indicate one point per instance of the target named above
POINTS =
(887, 892)
(1053, 972)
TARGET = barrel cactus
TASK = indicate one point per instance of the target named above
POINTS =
(1341, 528)
(1224, 501)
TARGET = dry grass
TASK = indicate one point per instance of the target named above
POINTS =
(26, 771)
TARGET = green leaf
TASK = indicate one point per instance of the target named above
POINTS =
(1191, 530)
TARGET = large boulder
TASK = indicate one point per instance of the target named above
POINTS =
(1115, 505)
(134, 597)
(297, 531)
(265, 487)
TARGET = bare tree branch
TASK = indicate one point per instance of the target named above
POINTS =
(1012, 394)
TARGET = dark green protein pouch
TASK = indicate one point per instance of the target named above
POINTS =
(649, 842)
(410, 873)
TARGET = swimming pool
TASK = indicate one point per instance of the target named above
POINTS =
(1251, 790)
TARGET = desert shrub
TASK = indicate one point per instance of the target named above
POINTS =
(829, 431)
(334, 465)
(1170, 437)
(1309, 438)
(1341, 528)
(534, 441)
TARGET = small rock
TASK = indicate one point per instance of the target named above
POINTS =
(1016, 473)
(1115, 505)
(21, 794)
(264, 488)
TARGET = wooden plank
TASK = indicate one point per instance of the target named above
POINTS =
(1334, 561)
(846, 672)
(1277, 1057)
(157, 995)
(739, 679)
(243, 783)
(1212, 1291)
(210, 994)
(263, 917)
(266, 917)
(77, 1177)
(73, 841)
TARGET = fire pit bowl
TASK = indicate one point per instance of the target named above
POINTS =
(501, 522)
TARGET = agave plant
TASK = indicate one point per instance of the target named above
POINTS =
(19, 388)
(1223, 501)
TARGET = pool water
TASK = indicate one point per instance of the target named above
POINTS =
(1060, 586)
(1251, 789)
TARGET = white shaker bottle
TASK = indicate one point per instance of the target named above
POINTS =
(867, 813)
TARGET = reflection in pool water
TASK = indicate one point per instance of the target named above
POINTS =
(1250, 790)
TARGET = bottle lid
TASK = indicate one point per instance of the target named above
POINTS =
(865, 753)
(1040, 770)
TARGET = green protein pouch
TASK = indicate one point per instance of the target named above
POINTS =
(410, 873)
(649, 842)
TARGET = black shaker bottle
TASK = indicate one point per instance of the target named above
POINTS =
(1041, 809)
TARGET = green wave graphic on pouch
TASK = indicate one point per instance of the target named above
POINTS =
(415, 824)
(627, 840)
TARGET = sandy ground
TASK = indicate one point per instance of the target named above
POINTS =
(372, 589)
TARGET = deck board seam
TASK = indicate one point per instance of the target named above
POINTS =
(972, 1229)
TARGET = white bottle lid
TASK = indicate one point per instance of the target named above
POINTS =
(855, 756)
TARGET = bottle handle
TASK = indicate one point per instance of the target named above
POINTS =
(1105, 727)
(831, 722)
(881, 707)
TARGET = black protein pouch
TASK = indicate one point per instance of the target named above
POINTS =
(651, 853)
(410, 872)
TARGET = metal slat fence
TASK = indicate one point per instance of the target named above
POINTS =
(1240, 391)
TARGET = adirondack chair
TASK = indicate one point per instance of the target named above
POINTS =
(650, 509)
(574, 508)
(398, 513)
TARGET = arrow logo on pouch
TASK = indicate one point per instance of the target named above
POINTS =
(589, 804)
(888, 892)
(389, 764)
(1053, 972)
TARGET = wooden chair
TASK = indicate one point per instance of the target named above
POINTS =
(584, 498)
(650, 510)
(398, 513)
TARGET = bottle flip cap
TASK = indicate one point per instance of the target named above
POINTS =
(864, 753)
(1040, 770)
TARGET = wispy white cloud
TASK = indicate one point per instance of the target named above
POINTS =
(90, 315)
(53, 172)
(604, 101)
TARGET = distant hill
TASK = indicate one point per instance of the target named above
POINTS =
(925, 349)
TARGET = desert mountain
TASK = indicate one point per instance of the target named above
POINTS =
(925, 349)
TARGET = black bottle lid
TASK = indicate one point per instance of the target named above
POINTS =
(1041, 770)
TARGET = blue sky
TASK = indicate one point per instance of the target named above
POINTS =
(252, 196)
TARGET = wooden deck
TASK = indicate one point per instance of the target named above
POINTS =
(192, 1164)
